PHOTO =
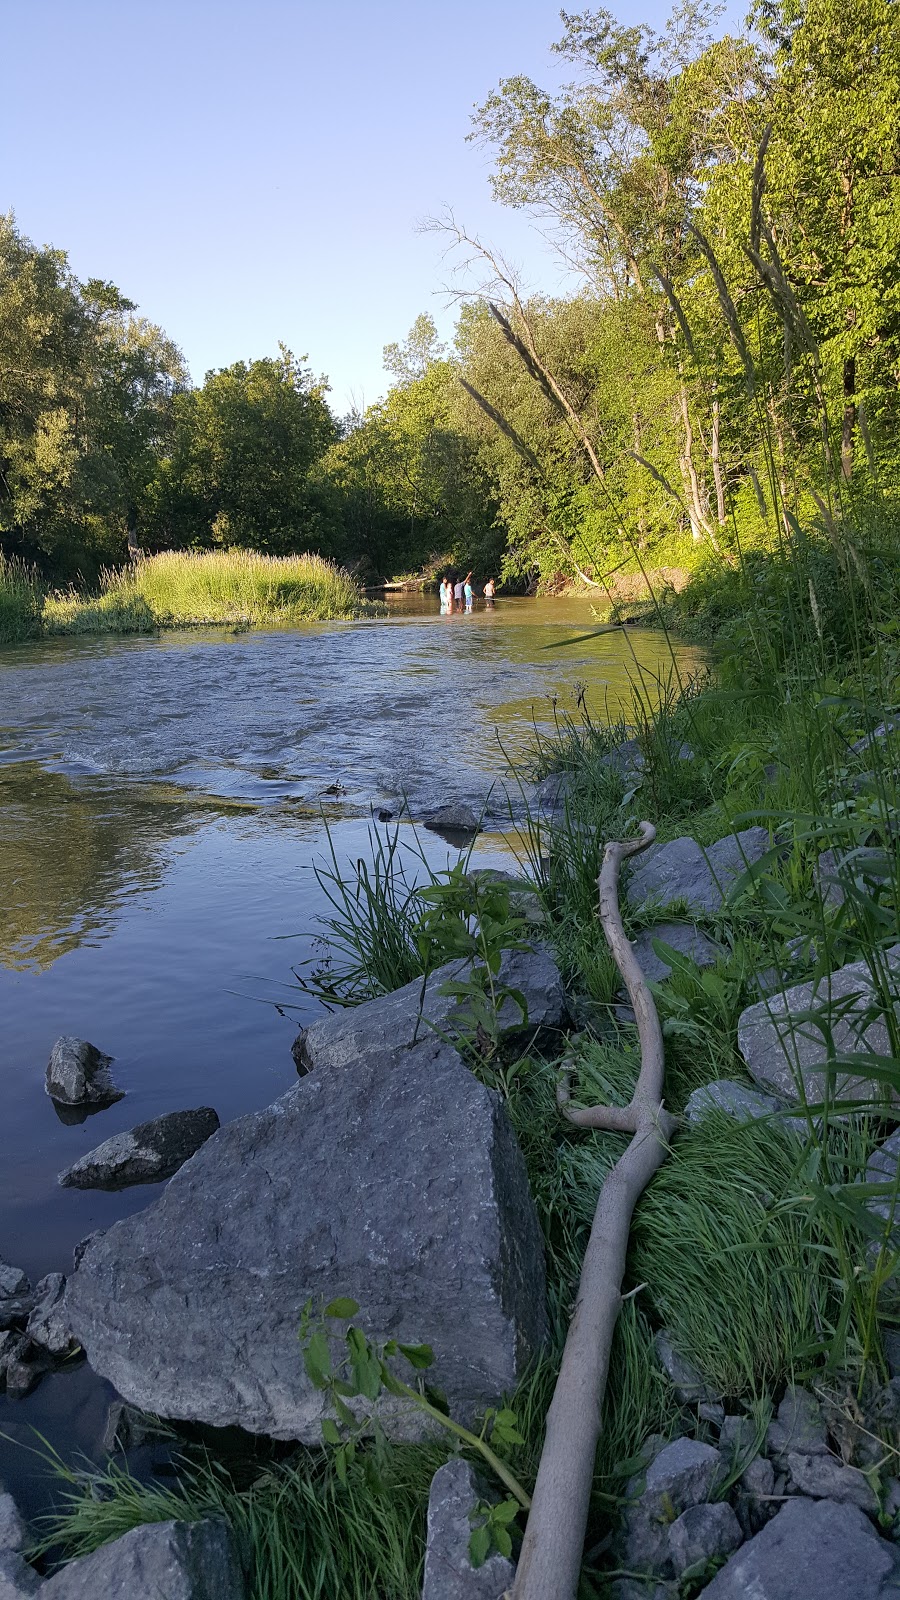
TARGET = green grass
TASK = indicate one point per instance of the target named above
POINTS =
(179, 589)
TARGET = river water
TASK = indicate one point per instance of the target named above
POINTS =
(163, 808)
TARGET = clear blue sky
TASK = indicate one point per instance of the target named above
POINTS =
(254, 170)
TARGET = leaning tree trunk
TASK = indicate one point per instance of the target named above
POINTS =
(550, 1562)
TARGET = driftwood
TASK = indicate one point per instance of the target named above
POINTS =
(550, 1562)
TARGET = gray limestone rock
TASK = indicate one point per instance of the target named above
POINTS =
(682, 1475)
(24, 1371)
(393, 1021)
(78, 1074)
(689, 1383)
(627, 759)
(48, 1326)
(449, 1574)
(823, 1477)
(885, 730)
(882, 1168)
(682, 937)
(13, 1281)
(733, 1100)
(798, 1427)
(455, 818)
(703, 879)
(15, 1309)
(157, 1561)
(703, 1533)
(18, 1581)
(783, 1039)
(737, 1437)
(396, 1181)
(812, 1550)
(864, 868)
(12, 1528)
(147, 1154)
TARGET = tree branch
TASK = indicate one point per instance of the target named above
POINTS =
(550, 1562)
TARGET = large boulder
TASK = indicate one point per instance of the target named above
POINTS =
(48, 1324)
(681, 870)
(396, 1181)
(410, 1015)
(812, 1550)
(146, 1154)
(78, 1074)
(784, 1039)
(157, 1561)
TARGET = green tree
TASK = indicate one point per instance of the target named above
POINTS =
(243, 449)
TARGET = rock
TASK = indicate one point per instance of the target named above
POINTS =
(690, 1384)
(882, 1168)
(172, 1560)
(682, 1475)
(18, 1581)
(866, 869)
(733, 1100)
(885, 729)
(681, 936)
(48, 1326)
(825, 1478)
(13, 1282)
(555, 791)
(449, 1574)
(812, 1550)
(782, 1051)
(12, 1528)
(453, 819)
(681, 870)
(758, 1478)
(798, 1427)
(393, 1021)
(126, 1428)
(148, 1153)
(78, 1074)
(702, 1534)
(23, 1372)
(737, 1438)
(627, 759)
(9, 1344)
(397, 1181)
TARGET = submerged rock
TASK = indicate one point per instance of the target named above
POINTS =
(171, 1560)
(784, 1039)
(449, 1574)
(418, 1013)
(148, 1153)
(702, 879)
(78, 1074)
(396, 1181)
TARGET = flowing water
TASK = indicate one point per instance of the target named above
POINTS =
(162, 806)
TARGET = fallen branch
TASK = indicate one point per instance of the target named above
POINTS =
(550, 1562)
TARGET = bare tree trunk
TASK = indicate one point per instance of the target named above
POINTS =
(692, 492)
(550, 1562)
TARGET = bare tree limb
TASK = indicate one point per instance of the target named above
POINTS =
(550, 1561)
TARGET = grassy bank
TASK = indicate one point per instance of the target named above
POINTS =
(180, 589)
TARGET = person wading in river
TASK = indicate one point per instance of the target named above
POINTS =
(458, 589)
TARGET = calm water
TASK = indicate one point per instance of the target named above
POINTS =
(161, 808)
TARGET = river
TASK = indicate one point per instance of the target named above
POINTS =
(163, 807)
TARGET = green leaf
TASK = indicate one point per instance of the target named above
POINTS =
(330, 1431)
(418, 1355)
(506, 1512)
(341, 1307)
(317, 1360)
(502, 1540)
(479, 1545)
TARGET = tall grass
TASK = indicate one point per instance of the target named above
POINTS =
(181, 589)
(19, 601)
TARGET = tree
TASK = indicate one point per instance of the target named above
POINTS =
(239, 469)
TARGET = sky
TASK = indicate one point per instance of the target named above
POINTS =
(250, 171)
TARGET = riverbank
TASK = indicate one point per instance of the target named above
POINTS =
(756, 1254)
(179, 589)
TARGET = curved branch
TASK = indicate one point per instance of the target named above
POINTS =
(550, 1562)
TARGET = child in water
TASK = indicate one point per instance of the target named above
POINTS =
(468, 591)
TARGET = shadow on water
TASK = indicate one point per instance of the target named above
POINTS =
(160, 816)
